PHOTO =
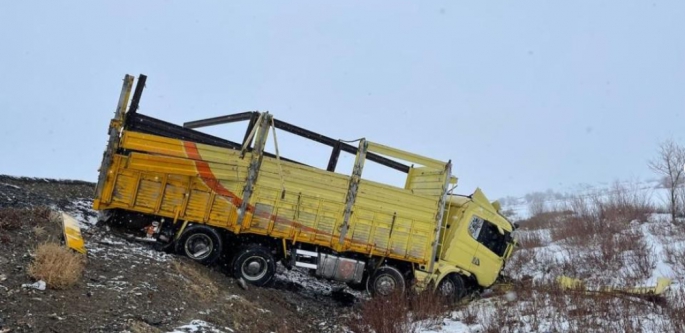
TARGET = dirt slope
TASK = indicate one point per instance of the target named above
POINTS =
(128, 287)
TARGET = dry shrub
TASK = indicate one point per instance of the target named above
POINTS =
(14, 218)
(496, 320)
(470, 315)
(10, 218)
(544, 220)
(582, 230)
(627, 202)
(676, 310)
(642, 259)
(198, 280)
(58, 266)
(428, 307)
(137, 326)
(400, 312)
(675, 255)
(388, 314)
(545, 307)
(597, 218)
(530, 239)
(519, 258)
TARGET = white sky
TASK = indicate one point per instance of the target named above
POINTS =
(522, 96)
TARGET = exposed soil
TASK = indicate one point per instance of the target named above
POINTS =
(129, 287)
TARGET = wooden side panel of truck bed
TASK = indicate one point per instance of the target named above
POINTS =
(199, 183)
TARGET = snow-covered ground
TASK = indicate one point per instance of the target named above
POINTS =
(656, 250)
(520, 207)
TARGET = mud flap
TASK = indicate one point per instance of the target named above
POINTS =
(72, 234)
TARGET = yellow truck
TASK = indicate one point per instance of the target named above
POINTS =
(214, 199)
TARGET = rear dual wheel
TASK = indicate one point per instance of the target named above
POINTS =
(385, 281)
(202, 244)
(255, 264)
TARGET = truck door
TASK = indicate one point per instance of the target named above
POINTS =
(462, 246)
(487, 260)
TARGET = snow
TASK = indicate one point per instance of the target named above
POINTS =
(301, 276)
(200, 326)
(11, 186)
(83, 212)
(538, 311)
(543, 311)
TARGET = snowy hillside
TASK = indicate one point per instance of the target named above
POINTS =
(524, 206)
(616, 253)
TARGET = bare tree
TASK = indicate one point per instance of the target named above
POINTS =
(670, 164)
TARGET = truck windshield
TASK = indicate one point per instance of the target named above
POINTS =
(486, 233)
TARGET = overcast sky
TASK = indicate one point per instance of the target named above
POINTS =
(522, 96)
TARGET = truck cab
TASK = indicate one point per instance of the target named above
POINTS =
(475, 242)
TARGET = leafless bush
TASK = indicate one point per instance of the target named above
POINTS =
(14, 218)
(520, 258)
(642, 259)
(469, 314)
(388, 314)
(496, 321)
(536, 205)
(545, 220)
(676, 310)
(596, 218)
(58, 266)
(10, 218)
(427, 307)
(400, 313)
(625, 203)
(530, 239)
(675, 255)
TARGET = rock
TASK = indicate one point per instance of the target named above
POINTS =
(343, 297)
(153, 321)
(39, 285)
(55, 316)
(242, 283)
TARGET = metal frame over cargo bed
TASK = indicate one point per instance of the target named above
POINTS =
(136, 134)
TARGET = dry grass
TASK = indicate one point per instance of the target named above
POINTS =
(383, 315)
(14, 218)
(199, 282)
(427, 307)
(544, 307)
(58, 266)
(137, 326)
(544, 220)
(399, 313)
(676, 310)
(530, 239)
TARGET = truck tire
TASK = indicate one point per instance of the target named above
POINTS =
(452, 288)
(384, 281)
(254, 264)
(202, 244)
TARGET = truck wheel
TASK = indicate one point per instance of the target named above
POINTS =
(452, 288)
(255, 264)
(202, 244)
(384, 281)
